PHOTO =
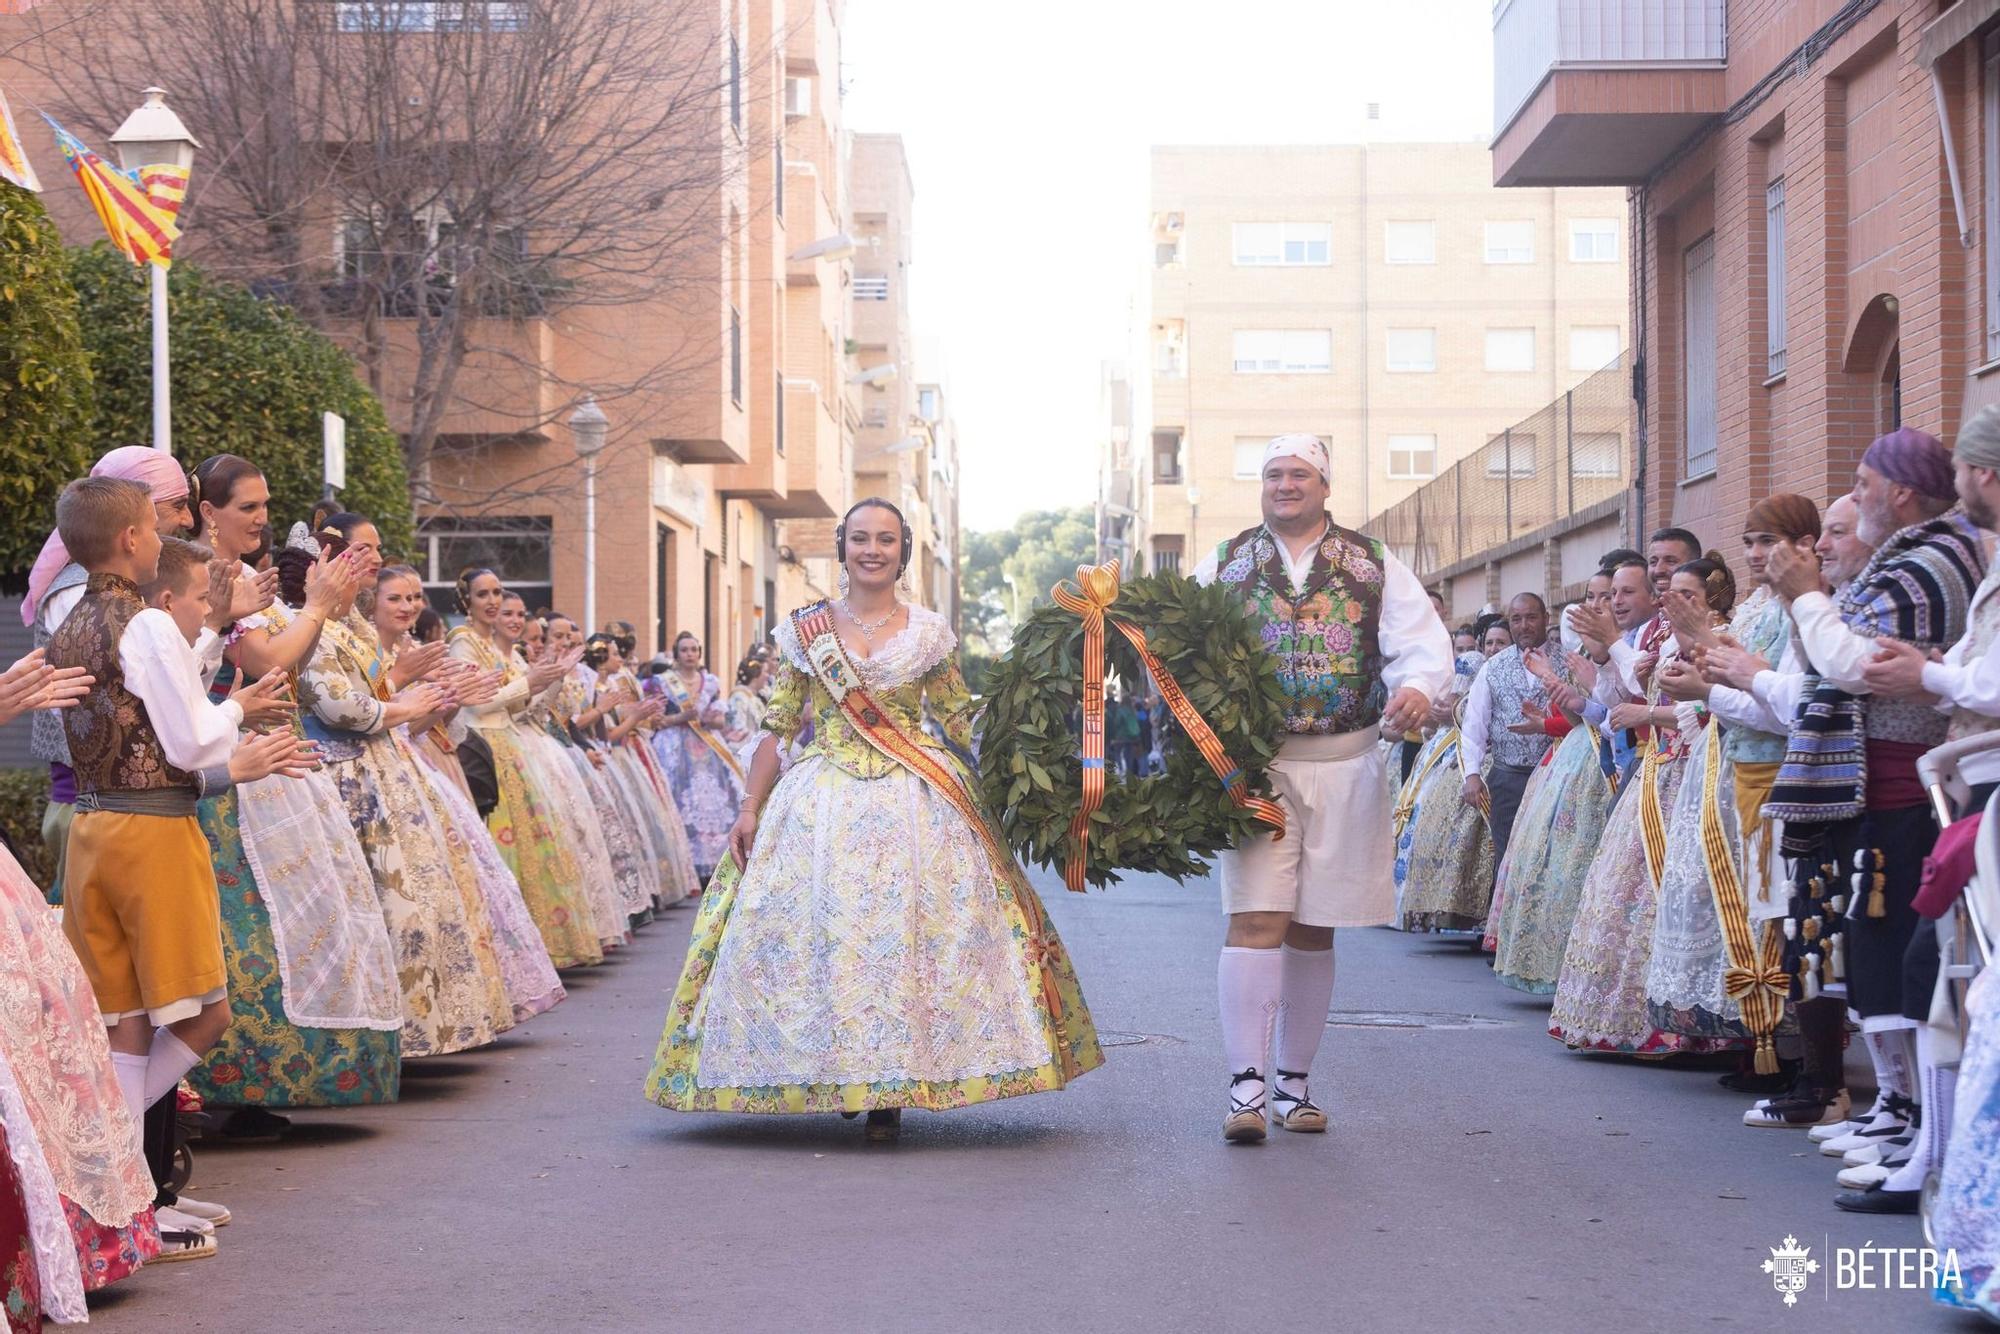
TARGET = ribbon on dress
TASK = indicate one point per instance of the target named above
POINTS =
(677, 691)
(1096, 588)
(841, 680)
(1755, 980)
(1652, 822)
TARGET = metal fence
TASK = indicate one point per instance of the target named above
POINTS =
(1563, 459)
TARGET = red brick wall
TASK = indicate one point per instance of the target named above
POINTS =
(1874, 260)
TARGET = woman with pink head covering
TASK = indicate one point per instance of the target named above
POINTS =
(55, 586)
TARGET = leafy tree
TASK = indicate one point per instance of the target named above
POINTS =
(45, 383)
(1006, 574)
(249, 378)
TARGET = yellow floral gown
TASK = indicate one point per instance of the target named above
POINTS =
(454, 995)
(873, 954)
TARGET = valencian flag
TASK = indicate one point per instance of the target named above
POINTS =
(137, 208)
(14, 164)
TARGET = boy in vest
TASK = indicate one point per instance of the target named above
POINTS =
(1360, 651)
(145, 743)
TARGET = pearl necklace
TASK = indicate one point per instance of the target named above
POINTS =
(869, 628)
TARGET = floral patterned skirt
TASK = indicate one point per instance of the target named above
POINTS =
(20, 1281)
(454, 994)
(1966, 1217)
(1601, 995)
(706, 792)
(524, 824)
(264, 1059)
(1538, 885)
(872, 956)
(1448, 876)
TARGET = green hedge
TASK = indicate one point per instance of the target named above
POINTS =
(24, 793)
(249, 378)
(45, 383)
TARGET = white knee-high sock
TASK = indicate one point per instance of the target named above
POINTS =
(169, 1059)
(131, 1072)
(1248, 983)
(1937, 1087)
(1893, 1051)
(1303, 998)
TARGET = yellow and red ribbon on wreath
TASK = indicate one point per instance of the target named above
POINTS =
(1095, 589)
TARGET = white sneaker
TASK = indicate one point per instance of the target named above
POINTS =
(1821, 1134)
(1861, 1178)
(173, 1219)
(177, 1245)
(216, 1214)
(1891, 1121)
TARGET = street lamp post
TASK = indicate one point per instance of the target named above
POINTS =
(588, 424)
(153, 136)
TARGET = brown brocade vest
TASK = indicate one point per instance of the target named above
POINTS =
(112, 745)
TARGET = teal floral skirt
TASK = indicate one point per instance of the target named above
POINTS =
(264, 1059)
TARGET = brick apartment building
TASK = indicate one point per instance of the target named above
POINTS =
(1384, 296)
(1814, 223)
(717, 490)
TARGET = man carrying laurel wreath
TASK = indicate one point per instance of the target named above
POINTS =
(1360, 650)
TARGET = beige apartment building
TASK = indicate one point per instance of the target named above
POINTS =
(723, 473)
(1385, 297)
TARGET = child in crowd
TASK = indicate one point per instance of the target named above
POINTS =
(145, 742)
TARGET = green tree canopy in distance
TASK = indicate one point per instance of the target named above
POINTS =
(1006, 573)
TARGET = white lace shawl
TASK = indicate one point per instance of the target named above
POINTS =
(904, 657)
(49, 1237)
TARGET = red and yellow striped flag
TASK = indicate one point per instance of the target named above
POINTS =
(137, 208)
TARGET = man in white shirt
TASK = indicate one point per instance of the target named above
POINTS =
(1492, 707)
(1360, 650)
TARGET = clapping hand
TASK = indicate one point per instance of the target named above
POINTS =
(1533, 721)
(1731, 664)
(1793, 572)
(1897, 670)
(1681, 681)
(1583, 671)
(1593, 623)
(32, 684)
(266, 700)
(1631, 714)
(422, 663)
(282, 752)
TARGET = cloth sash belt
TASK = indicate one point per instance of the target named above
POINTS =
(677, 691)
(173, 802)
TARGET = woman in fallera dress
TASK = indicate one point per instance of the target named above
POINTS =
(701, 768)
(868, 943)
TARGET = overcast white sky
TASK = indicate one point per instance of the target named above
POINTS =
(1027, 125)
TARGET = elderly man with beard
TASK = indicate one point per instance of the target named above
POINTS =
(1964, 686)
(1360, 650)
(1856, 817)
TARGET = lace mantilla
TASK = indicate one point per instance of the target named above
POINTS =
(905, 656)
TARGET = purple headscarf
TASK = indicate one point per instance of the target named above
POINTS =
(1912, 458)
(154, 469)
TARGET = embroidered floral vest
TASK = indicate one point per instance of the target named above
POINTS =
(112, 744)
(1510, 685)
(1326, 636)
(1982, 628)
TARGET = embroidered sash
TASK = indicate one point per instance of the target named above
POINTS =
(1414, 784)
(838, 676)
(677, 691)
(1755, 980)
(1652, 820)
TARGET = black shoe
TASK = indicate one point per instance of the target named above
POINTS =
(1876, 1200)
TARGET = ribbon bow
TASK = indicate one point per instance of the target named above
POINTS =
(1738, 983)
(1090, 599)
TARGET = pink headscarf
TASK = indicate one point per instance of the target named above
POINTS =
(153, 468)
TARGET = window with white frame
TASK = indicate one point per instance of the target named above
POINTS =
(1412, 350)
(1413, 457)
(1510, 349)
(1510, 243)
(1593, 240)
(1511, 451)
(1283, 244)
(1774, 278)
(1990, 108)
(1409, 242)
(1249, 459)
(516, 549)
(1596, 454)
(1698, 356)
(1283, 351)
(798, 95)
(1592, 347)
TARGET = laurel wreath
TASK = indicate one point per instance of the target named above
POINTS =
(1170, 823)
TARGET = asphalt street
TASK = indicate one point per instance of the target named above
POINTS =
(1478, 1177)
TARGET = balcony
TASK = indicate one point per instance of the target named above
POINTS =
(815, 463)
(1600, 92)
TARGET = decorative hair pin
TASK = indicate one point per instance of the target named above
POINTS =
(301, 539)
